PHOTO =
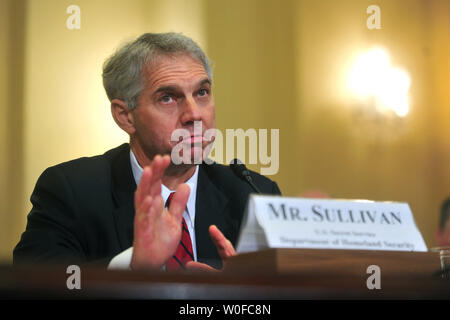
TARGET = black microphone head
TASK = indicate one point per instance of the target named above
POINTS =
(239, 168)
(242, 172)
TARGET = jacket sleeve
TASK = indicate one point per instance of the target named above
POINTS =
(53, 233)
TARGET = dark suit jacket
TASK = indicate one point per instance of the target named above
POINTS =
(83, 210)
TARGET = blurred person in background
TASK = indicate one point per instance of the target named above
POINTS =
(443, 231)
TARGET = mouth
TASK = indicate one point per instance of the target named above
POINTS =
(195, 139)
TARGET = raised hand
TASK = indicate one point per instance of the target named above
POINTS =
(157, 231)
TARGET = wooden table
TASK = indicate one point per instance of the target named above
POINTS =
(269, 274)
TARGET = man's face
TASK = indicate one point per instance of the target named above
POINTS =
(177, 92)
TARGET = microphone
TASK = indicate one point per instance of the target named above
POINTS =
(241, 171)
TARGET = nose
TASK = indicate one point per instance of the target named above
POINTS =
(191, 112)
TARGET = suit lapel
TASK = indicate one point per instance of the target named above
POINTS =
(123, 188)
(211, 208)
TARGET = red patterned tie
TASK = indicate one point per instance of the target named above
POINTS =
(183, 254)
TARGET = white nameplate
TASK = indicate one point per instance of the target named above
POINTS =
(281, 222)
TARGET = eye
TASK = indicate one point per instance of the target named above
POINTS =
(166, 99)
(203, 92)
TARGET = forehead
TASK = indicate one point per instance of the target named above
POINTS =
(178, 69)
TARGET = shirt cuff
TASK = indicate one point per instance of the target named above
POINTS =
(122, 261)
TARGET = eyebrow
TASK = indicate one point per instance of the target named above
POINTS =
(204, 81)
(175, 87)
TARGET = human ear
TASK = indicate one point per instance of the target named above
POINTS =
(122, 116)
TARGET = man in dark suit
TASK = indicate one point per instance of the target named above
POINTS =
(133, 207)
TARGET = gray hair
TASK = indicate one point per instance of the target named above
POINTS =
(122, 72)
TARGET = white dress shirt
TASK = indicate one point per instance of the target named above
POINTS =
(123, 259)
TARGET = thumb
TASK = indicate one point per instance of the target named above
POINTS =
(224, 246)
(179, 201)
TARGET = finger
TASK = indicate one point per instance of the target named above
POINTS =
(179, 201)
(166, 161)
(197, 266)
(156, 208)
(159, 166)
(142, 214)
(223, 245)
(163, 164)
(155, 183)
(143, 188)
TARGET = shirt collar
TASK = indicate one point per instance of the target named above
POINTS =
(165, 192)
